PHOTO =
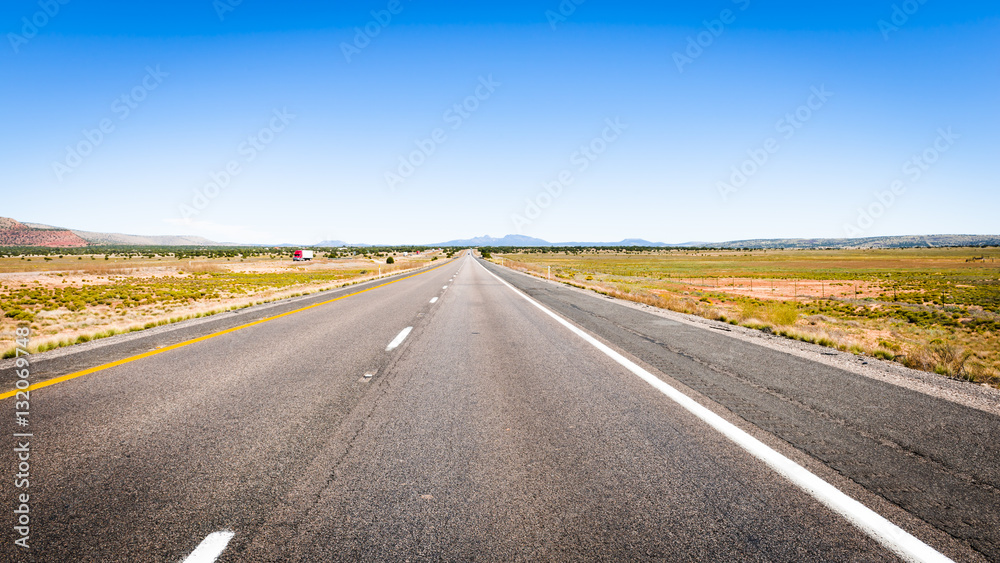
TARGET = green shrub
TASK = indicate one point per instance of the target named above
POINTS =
(749, 310)
(889, 345)
(782, 314)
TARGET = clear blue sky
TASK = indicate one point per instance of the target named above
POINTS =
(900, 85)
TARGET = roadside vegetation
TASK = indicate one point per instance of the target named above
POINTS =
(33, 258)
(933, 309)
(74, 297)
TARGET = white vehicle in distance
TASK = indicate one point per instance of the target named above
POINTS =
(301, 255)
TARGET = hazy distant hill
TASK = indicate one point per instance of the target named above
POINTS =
(509, 240)
(526, 241)
(73, 237)
(625, 242)
(14, 233)
(140, 240)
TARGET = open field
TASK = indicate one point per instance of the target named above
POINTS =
(68, 299)
(935, 309)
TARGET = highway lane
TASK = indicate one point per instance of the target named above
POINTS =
(490, 433)
(937, 460)
(142, 461)
(498, 436)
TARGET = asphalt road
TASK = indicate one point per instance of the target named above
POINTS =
(489, 432)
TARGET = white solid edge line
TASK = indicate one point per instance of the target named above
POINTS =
(434, 299)
(894, 538)
(399, 338)
(210, 548)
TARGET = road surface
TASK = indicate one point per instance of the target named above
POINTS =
(445, 416)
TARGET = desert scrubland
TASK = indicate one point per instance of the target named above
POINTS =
(933, 309)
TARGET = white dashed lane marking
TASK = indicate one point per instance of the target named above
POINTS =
(399, 339)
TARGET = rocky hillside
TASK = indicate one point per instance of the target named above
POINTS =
(14, 233)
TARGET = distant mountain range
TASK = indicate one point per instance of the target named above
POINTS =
(521, 240)
(509, 240)
(14, 233)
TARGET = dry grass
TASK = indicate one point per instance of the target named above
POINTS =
(97, 268)
(838, 299)
(775, 313)
(199, 267)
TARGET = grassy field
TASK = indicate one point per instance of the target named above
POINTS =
(71, 299)
(934, 309)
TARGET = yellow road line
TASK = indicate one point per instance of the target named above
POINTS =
(89, 371)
